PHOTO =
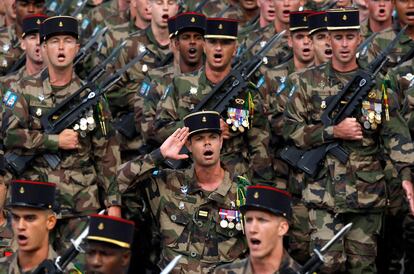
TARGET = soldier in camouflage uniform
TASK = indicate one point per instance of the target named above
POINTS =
(196, 208)
(32, 206)
(10, 49)
(355, 191)
(188, 37)
(30, 43)
(403, 50)
(109, 243)
(87, 167)
(267, 213)
(245, 128)
(379, 19)
(320, 37)
(281, 52)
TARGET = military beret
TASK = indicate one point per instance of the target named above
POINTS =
(109, 229)
(343, 19)
(188, 21)
(221, 28)
(298, 20)
(268, 198)
(32, 194)
(172, 28)
(203, 121)
(317, 21)
(32, 23)
(60, 25)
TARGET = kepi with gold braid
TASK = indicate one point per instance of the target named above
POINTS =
(317, 21)
(221, 28)
(343, 19)
(191, 21)
(203, 121)
(298, 20)
(32, 194)
(271, 199)
(60, 25)
(109, 229)
(31, 24)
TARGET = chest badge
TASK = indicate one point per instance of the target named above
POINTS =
(193, 90)
(38, 112)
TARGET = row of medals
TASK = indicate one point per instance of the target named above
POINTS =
(238, 119)
(371, 117)
(86, 124)
(230, 224)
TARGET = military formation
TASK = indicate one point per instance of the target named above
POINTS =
(221, 136)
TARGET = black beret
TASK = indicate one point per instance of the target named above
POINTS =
(32, 194)
(191, 21)
(60, 25)
(109, 229)
(203, 121)
(343, 19)
(32, 23)
(172, 27)
(298, 20)
(221, 28)
(317, 21)
(270, 199)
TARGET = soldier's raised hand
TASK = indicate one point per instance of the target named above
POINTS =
(68, 139)
(171, 147)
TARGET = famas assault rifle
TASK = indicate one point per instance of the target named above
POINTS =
(310, 161)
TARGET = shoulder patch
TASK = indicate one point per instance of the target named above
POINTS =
(260, 82)
(167, 90)
(10, 99)
(145, 88)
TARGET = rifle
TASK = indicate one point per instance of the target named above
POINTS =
(84, 51)
(200, 6)
(79, 8)
(171, 265)
(317, 258)
(356, 89)
(64, 7)
(363, 47)
(68, 112)
(243, 51)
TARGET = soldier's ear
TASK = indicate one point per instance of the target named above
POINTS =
(125, 259)
(22, 44)
(51, 221)
(290, 42)
(283, 227)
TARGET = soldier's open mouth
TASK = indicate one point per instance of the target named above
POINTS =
(61, 57)
(208, 153)
(271, 12)
(286, 12)
(165, 16)
(410, 14)
(328, 52)
(218, 56)
(192, 52)
(382, 11)
(21, 239)
(255, 241)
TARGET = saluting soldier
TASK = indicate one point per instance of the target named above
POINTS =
(10, 49)
(354, 191)
(108, 245)
(245, 128)
(196, 208)
(32, 207)
(267, 214)
(87, 154)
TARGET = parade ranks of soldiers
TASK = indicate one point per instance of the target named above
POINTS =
(379, 18)
(108, 245)
(267, 213)
(32, 206)
(196, 208)
(353, 191)
(87, 158)
(10, 49)
(187, 35)
(245, 129)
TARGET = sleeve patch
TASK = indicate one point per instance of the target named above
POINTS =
(145, 88)
(11, 100)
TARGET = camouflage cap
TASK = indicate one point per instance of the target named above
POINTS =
(269, 199)
(343, 19)
(60, 25)
(221, 28)
(32, 194)
(203, 121)
(298, 20)
(109, 229)
(317, 21)
(32, 23)
(191, 21)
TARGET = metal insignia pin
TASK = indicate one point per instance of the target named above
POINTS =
(181, 205)
(184, 189)
(39, 112)
(193, 90)
(41, 97)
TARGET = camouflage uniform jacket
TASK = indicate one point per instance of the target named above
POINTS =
(382, 40)
(359, 184)
(10, 265)
(401, 79)
(10, 49)
(188, 216)
(7, 245)
(244, 151)
(287, 266)
(148, 96)
(80, 171)
(313, 5)
(278, 54)
(8, 79)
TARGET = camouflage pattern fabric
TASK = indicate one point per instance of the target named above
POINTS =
(245, 152)
(356, 254)
(188, 216)
(287, 266)
(80, 171)
(10, 49)
(7, 245)
(10, 265)
(8, 79)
